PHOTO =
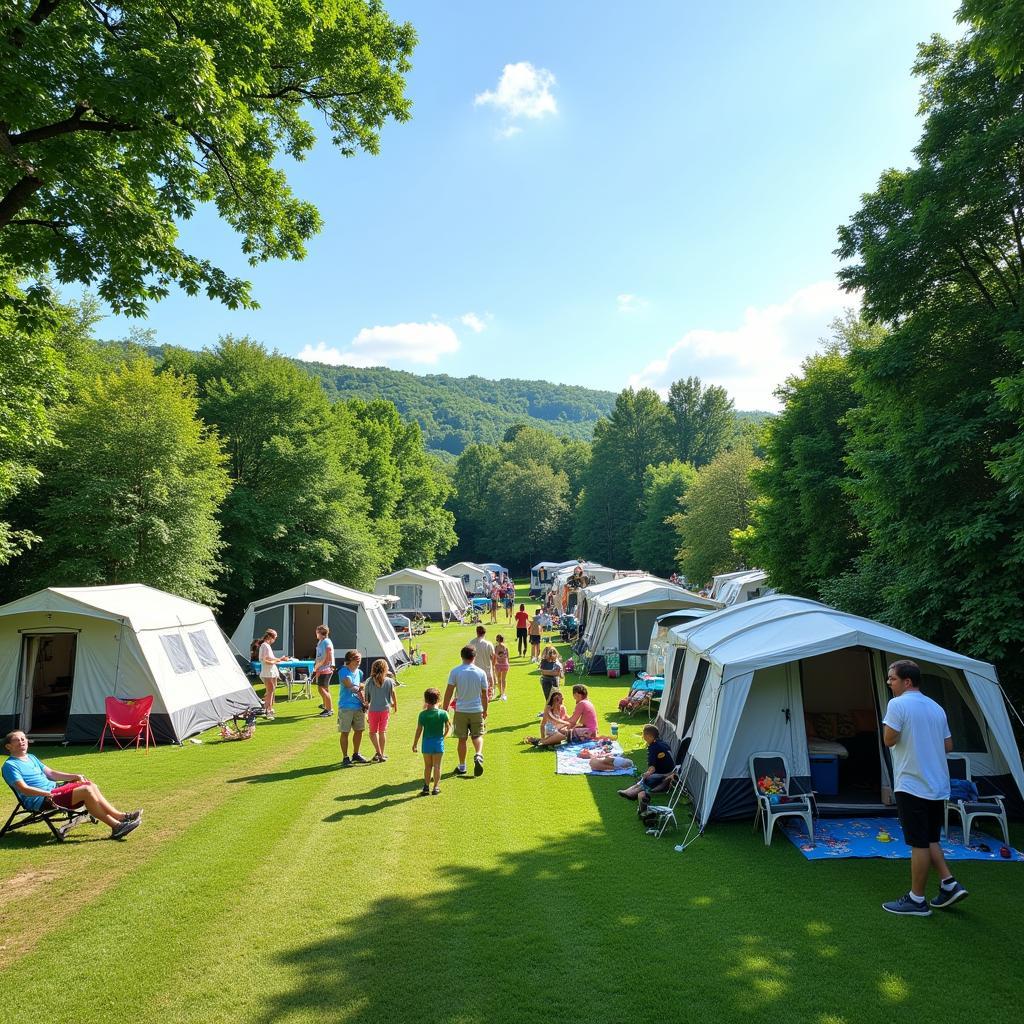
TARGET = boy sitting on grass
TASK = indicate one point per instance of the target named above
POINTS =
(659, 767)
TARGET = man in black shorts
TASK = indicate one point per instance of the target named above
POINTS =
(917, 733)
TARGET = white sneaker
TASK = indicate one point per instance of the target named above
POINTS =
(503, 697)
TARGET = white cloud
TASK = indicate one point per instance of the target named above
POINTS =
(473, 322)
(385, 345)
(523, 92)
(628, 303)
(757, 356)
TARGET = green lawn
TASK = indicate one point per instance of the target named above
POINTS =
(268, 885)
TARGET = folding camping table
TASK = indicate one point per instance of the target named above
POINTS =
(287, 669)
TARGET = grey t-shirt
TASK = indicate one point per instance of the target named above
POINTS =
(380, 696)
(469, 682)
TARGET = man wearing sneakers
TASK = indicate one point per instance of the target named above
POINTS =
(917, 733)
(469, 686)
(351, 709)
(484, 656)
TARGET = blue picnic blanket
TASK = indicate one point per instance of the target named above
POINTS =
(570, 763)
(836, 838)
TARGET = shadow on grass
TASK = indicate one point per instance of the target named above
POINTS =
(292, 773)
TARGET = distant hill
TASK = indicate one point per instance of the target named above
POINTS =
(457, 411)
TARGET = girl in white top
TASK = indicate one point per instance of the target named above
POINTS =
(269, 672)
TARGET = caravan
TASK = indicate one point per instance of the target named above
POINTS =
(475, 579)
(427, 592)
(790, 675)
(64, 650)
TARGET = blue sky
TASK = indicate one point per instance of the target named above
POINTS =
(593, 194)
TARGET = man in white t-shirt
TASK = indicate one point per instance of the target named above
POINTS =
(484, 655)
(468, 684)
(917, 733)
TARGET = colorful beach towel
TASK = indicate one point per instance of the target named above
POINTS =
(570, 763)
(836, 838)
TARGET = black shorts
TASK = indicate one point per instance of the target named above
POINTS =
(535, 640)
(920, 819)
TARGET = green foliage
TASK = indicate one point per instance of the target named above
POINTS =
(664, 493)
(936, 438)
(717, 505)
(298, 509)
(635, 436)
(704, 420)
(803, 531)
(133, 490)
(999, 32)
(117, 120)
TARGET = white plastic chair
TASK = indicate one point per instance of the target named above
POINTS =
(666, 813)
(773, 763)
(984, 807)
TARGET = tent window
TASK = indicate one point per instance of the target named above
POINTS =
(963, 726)
(177, 653)
(693, 701)
(201, 645)
(676, 689)
(269, 618)
(627, 631)
(644, 628)
(341, 620)
(409, 595)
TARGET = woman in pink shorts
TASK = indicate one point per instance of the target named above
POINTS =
(500, 666)
(380, 692)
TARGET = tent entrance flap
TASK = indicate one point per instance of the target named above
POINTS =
(842, 723)
(305, 619)
(49, 660)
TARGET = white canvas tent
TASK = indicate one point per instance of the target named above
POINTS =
(620, 620)
(566, 593)
(747, 586)
(542, 575)
(761, 676)
(497, 568)
(660, 645)
(422, 592)
(719, 581)
(65, 649)
(589, 596)
(475, 579)
(357, 621)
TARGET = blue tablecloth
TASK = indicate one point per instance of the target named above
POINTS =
(481, 603)
(649, 684)
(292, 663)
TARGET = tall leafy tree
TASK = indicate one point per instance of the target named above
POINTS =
(633, 437)
(703, 419)
(717, 505)
(654, 538)
(936, 440)
(999, 32)
(132, 492)
(117, 120)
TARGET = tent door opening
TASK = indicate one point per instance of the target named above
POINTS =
(842, 722)
(305, 619)
(49, 665)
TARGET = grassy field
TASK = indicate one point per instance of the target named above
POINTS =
(268, 885)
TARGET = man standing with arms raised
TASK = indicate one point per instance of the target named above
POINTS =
(917, 733)
(469, 686)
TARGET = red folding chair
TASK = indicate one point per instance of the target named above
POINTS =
(127, 720)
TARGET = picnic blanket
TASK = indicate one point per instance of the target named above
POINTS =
(835, 838)
(570, 763)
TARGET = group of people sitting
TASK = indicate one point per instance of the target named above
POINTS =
(558, 726)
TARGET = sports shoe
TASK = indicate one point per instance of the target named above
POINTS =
(947, 897)
(325, 714)
(425, 791)
(503, 697)
(122, 830)
(460, 769)
(436, 791)
(907, 906)
(478, 764)
(376, 759)
(359, 759)
(383, 757)
(134, 815)
(625, 794)
(346, 762)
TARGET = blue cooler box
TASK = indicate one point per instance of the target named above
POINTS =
(825, 774)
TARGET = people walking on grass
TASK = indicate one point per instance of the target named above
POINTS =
(323, 669)
(35, 783)
(583, 723)
(269, 671)
(351, 709)
(522, 629)
(551, 670)
(495, 599)
(468, 684)
(916, 731)
(500, 666)
(484, 657)
(382, 702)
(433, 725)
(535, 630)
(508, 599)
(660, 764)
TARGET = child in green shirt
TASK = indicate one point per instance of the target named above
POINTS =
(433, 725)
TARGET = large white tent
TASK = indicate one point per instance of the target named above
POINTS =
(764, 675)
(431, 594)
(589, 596)
(65, 649)
(620, 620)
(542, 575)
(357, 621)
(475, 579)
(746, 586)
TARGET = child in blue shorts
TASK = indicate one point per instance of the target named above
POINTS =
(433, 725)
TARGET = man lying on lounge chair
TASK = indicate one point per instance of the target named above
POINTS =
(34, 783)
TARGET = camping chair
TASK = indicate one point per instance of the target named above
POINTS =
(658, 817)
(127, 720)
(59, 820)
(773, 765)
(635, 700)
(984, 807)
